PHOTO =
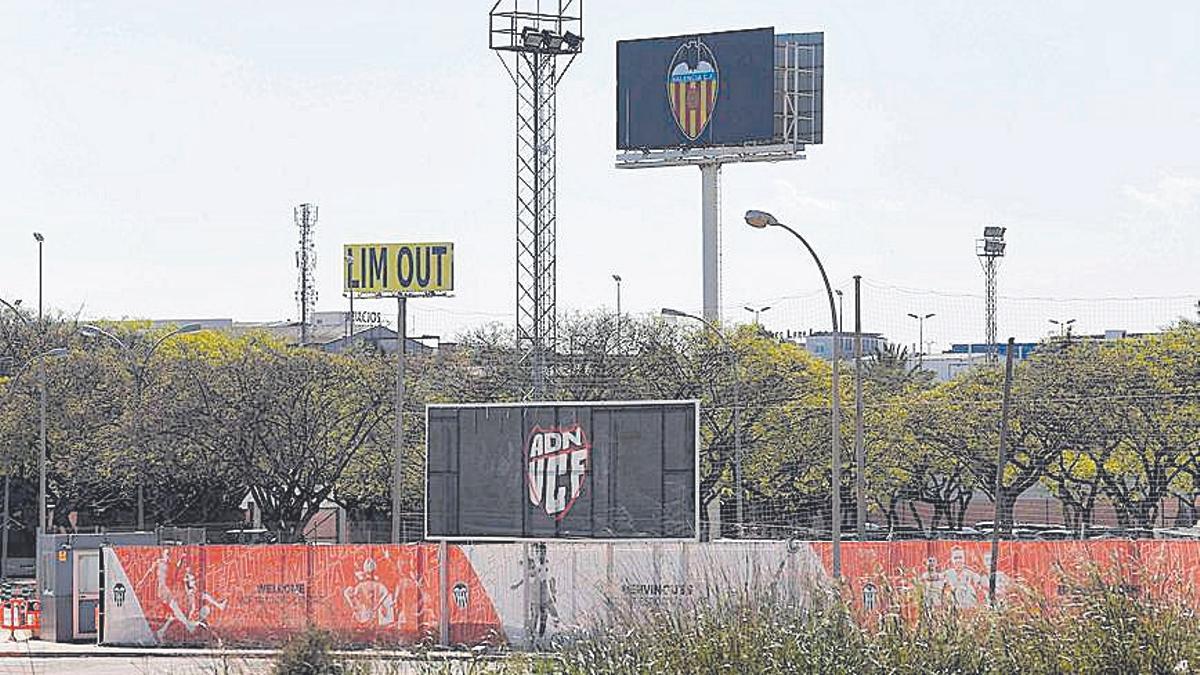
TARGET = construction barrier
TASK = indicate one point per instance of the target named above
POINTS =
(20, 614)
(527, 594)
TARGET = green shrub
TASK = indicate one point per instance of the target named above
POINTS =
(311, 653)
(1102, 629)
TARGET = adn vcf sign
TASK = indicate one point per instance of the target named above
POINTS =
(591, 470)
(398, 269)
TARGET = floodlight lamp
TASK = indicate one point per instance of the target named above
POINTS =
(760, 219)
(531, 37)
(994, 232)
(993, 247)
(551, 40)
(617, 278)
(574, 42)
(38, 236)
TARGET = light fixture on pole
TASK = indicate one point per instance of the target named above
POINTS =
(41, 359)
(139, 382)
(1064, 327)
(617, 278)
(990, 250)
(756, 311)
(763, 220)
(921, 335)
(737, 405)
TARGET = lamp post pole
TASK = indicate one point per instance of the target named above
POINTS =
(737, 405)
(921, 336)
(139, 382)
(40, 358)
(617, 278)
(761, 220)
(42, 524)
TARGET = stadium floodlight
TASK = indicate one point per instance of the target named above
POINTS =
(994, 232)
(551, 40)
(993, 247)
(760, 219)
(574, 42)
(532, 37)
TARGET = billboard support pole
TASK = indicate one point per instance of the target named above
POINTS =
(710, 178)
(398, 441)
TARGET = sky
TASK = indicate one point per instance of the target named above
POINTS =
(161, 148)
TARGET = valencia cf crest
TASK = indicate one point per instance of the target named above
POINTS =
(558, 460)
(692, 87)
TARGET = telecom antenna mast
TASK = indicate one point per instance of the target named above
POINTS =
(305, 216)
(990, 250)
(530, 36)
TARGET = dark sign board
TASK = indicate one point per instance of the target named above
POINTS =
(696, 90)
(595, 470)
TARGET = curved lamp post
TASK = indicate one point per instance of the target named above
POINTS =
(762, 220)
(737, 404)
(139, 381)
(42, 524)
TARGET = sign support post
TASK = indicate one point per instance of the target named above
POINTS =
(398, 442)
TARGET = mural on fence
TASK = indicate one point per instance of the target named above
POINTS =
(525, 594)
(261, 594)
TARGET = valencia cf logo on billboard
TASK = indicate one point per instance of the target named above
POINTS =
(692, 87)
(558, 459)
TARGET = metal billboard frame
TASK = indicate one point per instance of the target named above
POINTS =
(577, 404)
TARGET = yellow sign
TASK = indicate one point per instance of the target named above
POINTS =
(398, 269)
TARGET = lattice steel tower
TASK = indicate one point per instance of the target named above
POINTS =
(529, 36)
(305, 216)
(990, 250)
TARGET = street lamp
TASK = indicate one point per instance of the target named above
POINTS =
(737, 404)
(921, 336)
(40, 358)
(1064, 327)
(617, 278)
(762, 220)
(756, 311)
(139, 382)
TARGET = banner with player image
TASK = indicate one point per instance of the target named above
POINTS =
(194, 595)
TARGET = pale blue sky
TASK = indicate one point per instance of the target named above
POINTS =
(161, 146)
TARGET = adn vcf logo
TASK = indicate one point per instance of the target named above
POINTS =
(558, 460)
(692, 86)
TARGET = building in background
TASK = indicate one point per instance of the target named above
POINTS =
(820, 343)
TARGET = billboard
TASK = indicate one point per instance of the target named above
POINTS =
(733, 88)
(590, 470)
(710, 89)
(398, 269)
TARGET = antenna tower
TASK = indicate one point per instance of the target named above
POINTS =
(529, 36)
(990, 250)
(305, 216)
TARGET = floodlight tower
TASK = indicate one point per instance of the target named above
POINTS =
(530, 36)
(305, 216)
(990, 250)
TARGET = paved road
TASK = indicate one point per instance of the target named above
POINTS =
(160, 665)
(145, 665)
